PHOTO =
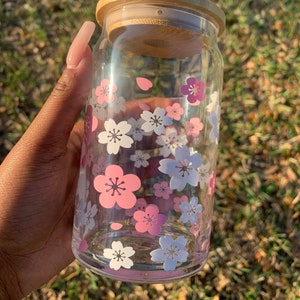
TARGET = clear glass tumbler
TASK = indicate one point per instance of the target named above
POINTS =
(144, 202)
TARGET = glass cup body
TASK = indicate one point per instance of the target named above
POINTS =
(144, 201)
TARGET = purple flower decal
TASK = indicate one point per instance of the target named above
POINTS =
(162, 190)
(140, 159)
(195, 90)
(190, 210)
(182, 169)
(136, 129)
(140, 204)
(178, 200)
(171, 252)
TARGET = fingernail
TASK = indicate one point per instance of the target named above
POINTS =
(79, 44)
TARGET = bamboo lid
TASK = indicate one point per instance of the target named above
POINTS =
(159, 28)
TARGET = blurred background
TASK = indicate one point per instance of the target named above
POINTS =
(255, 250)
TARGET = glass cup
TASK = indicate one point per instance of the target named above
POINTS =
(144, 201)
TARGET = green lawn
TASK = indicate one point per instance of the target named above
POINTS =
(255, 250)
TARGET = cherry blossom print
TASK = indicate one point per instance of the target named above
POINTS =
(155, 121)
(193, 127)
(144, 83)
(162, 190)
(178, 200)
(175, 111)
(84, 215)
(119, 256)
(101, 110)
(204, 174)
(182, 169)
(196, 227)
(83, 246)
(170, 141)
(165, 206)
(140, 204)
(171, 252)
(117, 188)
(115, 136)
(100, 166)
(106, 91)
(116, 226)
(144, 106)
(149, 220)
(212, 183)
(119, 105)
(213, 102)
(214, 120)
(140, 159)
(136, 129)
(190, 211)
(195, 90)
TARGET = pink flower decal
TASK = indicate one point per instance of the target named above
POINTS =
(162, 190)
(116, 226)
(178, 200)
(212, 183)
(144, 83)
(175, 111)
(117, 188)
(149, 220)
(105, 92)
(83, 246)
(195, 90)
(193, 127)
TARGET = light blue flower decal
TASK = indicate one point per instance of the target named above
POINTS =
(171, 252)
(190, 210)
(182, 169)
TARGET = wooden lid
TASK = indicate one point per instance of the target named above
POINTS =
(205, 8)
(161, 29)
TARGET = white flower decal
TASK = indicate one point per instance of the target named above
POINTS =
(213, 102)
(204, 174)
(155, 121)
(119, 256)
(115, 136)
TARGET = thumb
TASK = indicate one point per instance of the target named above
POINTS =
(52, 126)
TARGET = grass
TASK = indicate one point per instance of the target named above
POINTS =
(255, 251)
